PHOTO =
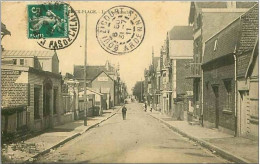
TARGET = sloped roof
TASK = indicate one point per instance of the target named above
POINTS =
(181, 33)
(239, 36)
(91, 71)
(249, 25)
(225, 41)
(211, 5)
(253, 58)
(101, 73)
(25, 53)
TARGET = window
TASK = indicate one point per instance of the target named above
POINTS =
(21, 61)
(216, 45)
(36, 103)
(55, 101)
(228, 87)
(14, 61)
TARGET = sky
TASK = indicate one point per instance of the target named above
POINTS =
(159, 17)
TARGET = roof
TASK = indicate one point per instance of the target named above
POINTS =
(30, 69)
(238, 37)
(26, 53)
(101, 73)
(181, 33)
(226, 42)
(253, 58)
(211, 5)
(92, 71)
(89, 92)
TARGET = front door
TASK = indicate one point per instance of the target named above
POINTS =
(46, 106)
(216, 92)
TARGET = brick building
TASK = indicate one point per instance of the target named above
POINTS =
(207, 18)
(28, 85)
(228, 104)
(180, 55)
(247, 74)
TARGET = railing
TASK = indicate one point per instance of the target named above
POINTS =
(195, 69)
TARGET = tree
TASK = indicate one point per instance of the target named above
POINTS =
(137, 90)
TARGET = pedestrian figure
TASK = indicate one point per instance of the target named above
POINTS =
(151, 109)
(145, 106)
(124, 109)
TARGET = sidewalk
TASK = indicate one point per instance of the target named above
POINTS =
(53, 138)
(236, 149)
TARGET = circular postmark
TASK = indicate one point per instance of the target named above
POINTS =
(54, 25)
(120, 30)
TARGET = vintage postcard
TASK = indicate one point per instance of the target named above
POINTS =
(129, 82)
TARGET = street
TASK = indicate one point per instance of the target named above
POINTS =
(140, 138)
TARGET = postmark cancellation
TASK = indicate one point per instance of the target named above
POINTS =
(120, 30)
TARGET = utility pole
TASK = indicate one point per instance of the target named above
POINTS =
(85, 76)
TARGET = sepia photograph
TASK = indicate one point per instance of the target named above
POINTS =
(129, 81)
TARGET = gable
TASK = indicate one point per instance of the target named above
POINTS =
(102, 77)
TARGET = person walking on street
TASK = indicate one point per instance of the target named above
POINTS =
(145, 106)
(124, 109)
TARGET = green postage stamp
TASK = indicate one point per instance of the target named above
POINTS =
(47, 20)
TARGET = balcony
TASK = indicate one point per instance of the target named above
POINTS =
(195, 71)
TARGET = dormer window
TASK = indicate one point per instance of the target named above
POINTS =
(215, 45)
(21, 61)
(14, 61)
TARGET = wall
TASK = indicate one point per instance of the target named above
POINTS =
(214, 74)
(46, 64)
(12, 92)
(181, 48)
(183, 70)
(103, 81)
(254, 101)
(36, 80)
(213, 22)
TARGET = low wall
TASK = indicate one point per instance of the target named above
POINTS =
(67, 117)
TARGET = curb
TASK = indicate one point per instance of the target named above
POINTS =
(223, 153)
(31, 159)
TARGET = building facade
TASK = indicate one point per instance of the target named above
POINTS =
(207, 18)
(228, 103)
(31, 87)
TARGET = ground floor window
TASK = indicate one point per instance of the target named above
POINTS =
(36, 103)
(229, 94)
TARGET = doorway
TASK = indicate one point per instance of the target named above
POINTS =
(47, 98)
(216, 92)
